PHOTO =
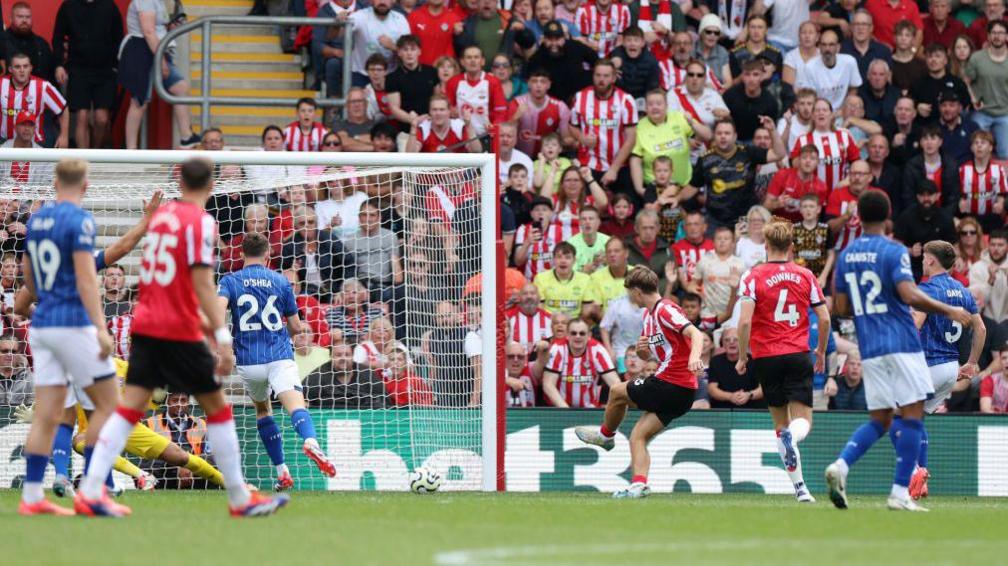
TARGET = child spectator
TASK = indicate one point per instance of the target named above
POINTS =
(692, 305)
(517, 194)
(620, 223)
(663, 197)
(716, 278)
(536, 240)
(402, 385)
(813, 243)
(751, 246)
(304, 134)
(550, 166)
(379, 101)
(589, 244)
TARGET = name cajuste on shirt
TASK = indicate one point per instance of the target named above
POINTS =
(861, 257)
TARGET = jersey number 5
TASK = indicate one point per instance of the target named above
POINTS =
(785, 312)
(270, 317)
(158, 263)
(871, 280)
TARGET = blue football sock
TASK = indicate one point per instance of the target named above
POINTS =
(908, 441)
(303, 424)
(893, 428)
(109, 482)
(269, 432)
(863, 438)
(61, 449)
(88, 451)
(922, 458)
(35, 465)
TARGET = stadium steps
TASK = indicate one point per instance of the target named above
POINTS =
(247, 61)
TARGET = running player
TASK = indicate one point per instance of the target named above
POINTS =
(939, 338)
(874, 283)
(69, 340)
(258, 299)
(775, 297)
(168, 347)
(664, 396)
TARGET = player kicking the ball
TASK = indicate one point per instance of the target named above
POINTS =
(874, 281)
(169, 350)
(775, 297)
(676, 345)
(939, 338)
(259, 299)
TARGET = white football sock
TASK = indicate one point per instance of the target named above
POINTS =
(842, 464)
(31, 492)
(111, 442)
(900, 491)
(224, 439)
(799, 429)
(796, 475)
(281, 469)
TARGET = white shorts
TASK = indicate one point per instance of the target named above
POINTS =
(68, 356)
(943, 377)
(76, 395)
(280, 376)
(896, 380)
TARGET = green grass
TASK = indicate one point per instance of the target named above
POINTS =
(513, 529)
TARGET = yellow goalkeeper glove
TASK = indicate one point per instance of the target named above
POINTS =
(24, 413)
(158, 396)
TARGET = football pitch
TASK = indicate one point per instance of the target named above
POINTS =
(510, 529)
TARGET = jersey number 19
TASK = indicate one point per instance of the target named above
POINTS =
(45, 260)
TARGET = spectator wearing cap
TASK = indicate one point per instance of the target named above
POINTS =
(932, 164)
(638, 68)
(732, 15)
(878, 93)
(435, 28)
(86, 37)
(748, 100)
(987, 72)
(939, 27)
(710, 51)
(29, 172)
(375, 30)
(29, 93)
(861, 45)
(956, 129)
(20, 38)
(889, 13)
(924, 221)
(755, 45)
(569, 63)
(927, 90)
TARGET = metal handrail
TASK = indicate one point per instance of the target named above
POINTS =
(204, 99)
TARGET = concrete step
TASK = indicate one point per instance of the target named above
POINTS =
(250, 85)
(248, 58)
(261, 76)
(220, 43)
(245, 116)
(241, 29)
(292, 94)
(215, 4)
(195, 12)
(217, 64)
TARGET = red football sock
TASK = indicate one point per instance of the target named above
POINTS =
(606, 432)
(638, 479)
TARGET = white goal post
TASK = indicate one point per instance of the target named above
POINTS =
(120, 180)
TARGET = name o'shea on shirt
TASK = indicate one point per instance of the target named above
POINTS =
(266, 283)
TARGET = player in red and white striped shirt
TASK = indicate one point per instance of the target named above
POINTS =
(676, 344)
(841, 208)
(577, 365)
(774, 325)
(605, 123)
(304, 134)
(601, 24)
(529, 322)
(439, 131)
(837, 148)
(477, 90)
(534, 242)
(984, 184)
(19, 91)
(538, 114)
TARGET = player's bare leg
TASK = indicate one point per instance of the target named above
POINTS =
(647, 427)
(49, 401)
(615, 412)
(224, 439)
(787, 445)
(294, 403)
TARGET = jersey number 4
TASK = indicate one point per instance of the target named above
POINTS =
(873, 286)
(270, 316)
(158, 262)
(785, 312)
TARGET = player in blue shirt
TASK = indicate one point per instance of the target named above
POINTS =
(259, 299)
(69, 341)
(940, 339)
(875, 284)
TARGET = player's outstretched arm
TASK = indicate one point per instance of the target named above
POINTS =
(130, 239)
(87, 289)
(914, 297)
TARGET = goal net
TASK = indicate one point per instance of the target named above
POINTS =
(393, 261)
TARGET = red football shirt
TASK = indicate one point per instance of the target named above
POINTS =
(886, 16)
(181, 235)
(787, 184)
(783, 293)
(434, 32)
(686, 254)
(664, 325)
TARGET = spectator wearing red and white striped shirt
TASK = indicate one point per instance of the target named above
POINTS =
(20, 91)
(520, 387)
(534, 242)
(25, 172)
(984, 184)
(841, 208)
(529, 322)
(304, 134)
(438, 131)
(837, 148)
(481, 92)
(656, 21)
(577, 365)
(538, 113)
(601, 24)
(605, 123)
(119, 327)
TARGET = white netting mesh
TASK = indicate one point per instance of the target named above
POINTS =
(382, 260)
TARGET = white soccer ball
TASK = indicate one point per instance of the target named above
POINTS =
(424, 480)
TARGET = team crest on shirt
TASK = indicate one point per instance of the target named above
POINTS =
(444, 27)
(549, 121)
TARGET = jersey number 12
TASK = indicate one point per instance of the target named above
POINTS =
(871, 280)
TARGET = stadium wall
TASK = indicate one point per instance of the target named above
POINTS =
(703, 452)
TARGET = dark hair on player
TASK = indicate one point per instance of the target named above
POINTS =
(539, 72)
(196, 174)
(809, 148)
(255, 245)
(904, 25)
(943, 251)
(633, 31)
(722, 121)
(873, 207)
(306, 100)
(564, 248)
(754, 64)
(994, 23)
(998, 235)
(641, 277)
(692, 298)
(384, 130)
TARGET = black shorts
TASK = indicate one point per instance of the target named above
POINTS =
(177, 366)
(667, 400)
(785, 378)
(89, 87)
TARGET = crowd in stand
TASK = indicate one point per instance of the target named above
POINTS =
(664, 134)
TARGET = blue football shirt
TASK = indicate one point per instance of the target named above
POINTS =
(940, 335)
(55, 232)
(868, 272)
(259, 299)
